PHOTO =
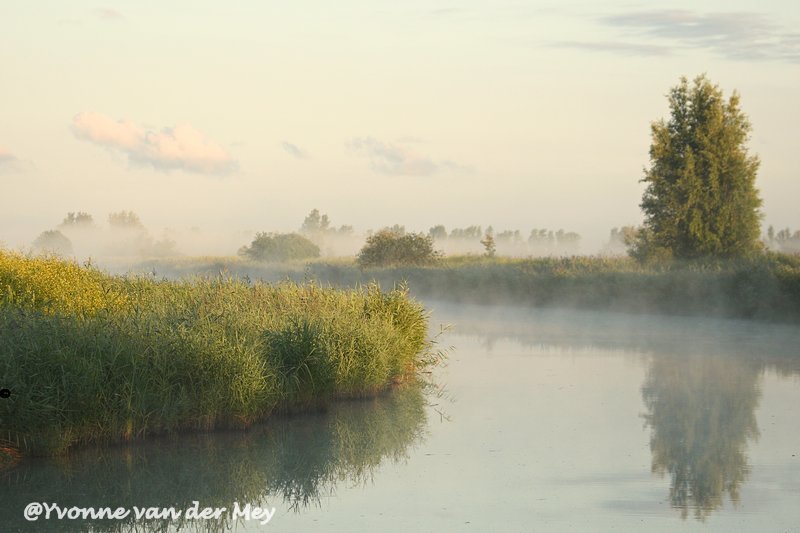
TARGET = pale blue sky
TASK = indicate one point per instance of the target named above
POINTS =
(248, 115)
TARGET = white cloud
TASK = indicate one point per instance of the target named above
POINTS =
(392, 159)
(181, 147)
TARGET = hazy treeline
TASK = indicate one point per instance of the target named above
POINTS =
(536, 243)
(784, 240)
(123, 240)
(124, 236)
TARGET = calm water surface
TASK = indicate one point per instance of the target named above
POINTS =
(543, 420)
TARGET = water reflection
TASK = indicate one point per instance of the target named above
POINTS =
(292, 461)
(701, 411)
(701, 390)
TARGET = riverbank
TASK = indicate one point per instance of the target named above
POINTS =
(766, 287)
(90, 357)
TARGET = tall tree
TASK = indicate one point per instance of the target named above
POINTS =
(701, 198)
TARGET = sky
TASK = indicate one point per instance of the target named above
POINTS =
(244, 116)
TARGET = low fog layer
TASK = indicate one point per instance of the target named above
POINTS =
(123, 240)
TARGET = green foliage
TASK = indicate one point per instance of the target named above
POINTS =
(388, 247)
(280, 247)
(53, 242)
(300, 359)
(95, 358)
(642, 246)
(701, 198)
(765, 287)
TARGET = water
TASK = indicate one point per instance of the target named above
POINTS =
(543, 420)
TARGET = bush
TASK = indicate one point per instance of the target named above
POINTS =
(387, 248)
(53, 242)
(280, 247)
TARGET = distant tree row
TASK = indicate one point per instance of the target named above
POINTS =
(317, 226)
(538, 238)
(469, 233)
(120, 219)
(783, 240)
(135, 240)
(77, 220)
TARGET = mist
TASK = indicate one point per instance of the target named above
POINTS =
(121, 245)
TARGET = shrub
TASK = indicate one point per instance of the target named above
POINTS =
(53, 242)
(387, 248)
(280, 247)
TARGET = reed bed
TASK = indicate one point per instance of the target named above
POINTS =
(763, 287)
(91, 357)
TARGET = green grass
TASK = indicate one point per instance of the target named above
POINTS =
(91, 357)
(765, 287)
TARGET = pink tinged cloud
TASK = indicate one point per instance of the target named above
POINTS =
(108, 14)
(179, 148)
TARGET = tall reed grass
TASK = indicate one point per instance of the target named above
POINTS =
(764, 287)
(91, 357)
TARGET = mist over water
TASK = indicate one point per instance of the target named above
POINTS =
(551, 418)
(216, 147)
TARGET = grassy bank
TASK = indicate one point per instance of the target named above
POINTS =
(91, 357)
(766, 287)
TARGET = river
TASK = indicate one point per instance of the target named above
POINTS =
(541, 420)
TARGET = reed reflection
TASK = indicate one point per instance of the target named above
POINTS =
(291, 462)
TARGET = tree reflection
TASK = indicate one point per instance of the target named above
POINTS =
(295, 460)
(701, 411)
